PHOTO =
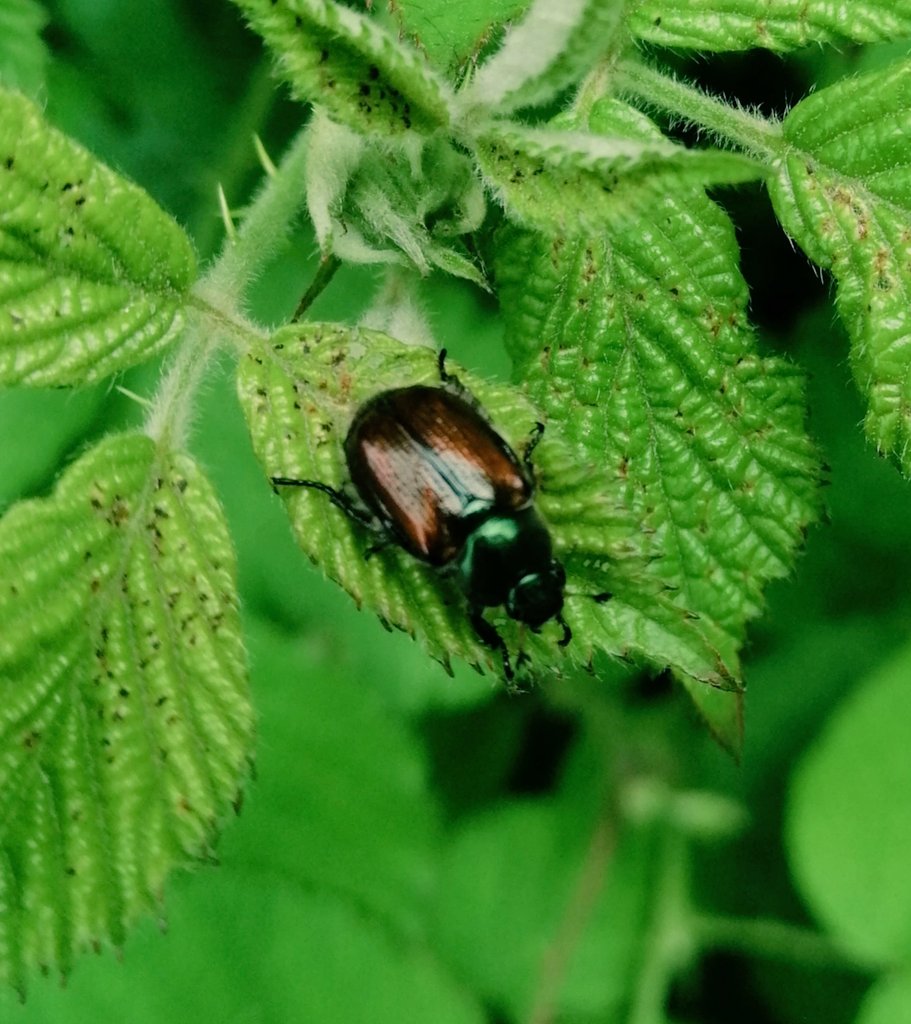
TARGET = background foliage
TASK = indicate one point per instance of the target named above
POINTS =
(416, 847)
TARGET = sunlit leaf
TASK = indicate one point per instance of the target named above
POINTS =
(638, 345)
(570, 180)
(93, 274)
(350, 65)
(843, 192)
(782, 25)
(125, 727)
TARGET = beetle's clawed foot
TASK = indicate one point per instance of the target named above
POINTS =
(567, 632)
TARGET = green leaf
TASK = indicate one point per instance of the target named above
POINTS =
(511, 879)
(392, 206)
(567, 181)
(371, 822)
(348, 64)
(849, 818)
(452, 34)
(23, 55)
(300, 393)
(553, 46)
(264, 950)
(125, 726)
(782, 25)
(638, 347)
(93, 275)
(843, 192)
(888, 1001)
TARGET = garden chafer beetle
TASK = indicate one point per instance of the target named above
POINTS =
(436, 478)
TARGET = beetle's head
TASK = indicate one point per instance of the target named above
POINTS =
(538, 596)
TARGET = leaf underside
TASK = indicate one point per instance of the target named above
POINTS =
(125, 726)
(344, 61)
(550, 49)
(639, 347)
(782, 25)
(566, 180)
(300, 393)
(92, 273)
(843, 192)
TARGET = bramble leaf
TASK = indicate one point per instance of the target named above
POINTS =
(544, 53)
(347, 63)
(782, 25)
(300, 393)
(638, 346)
(568, 180)
(843, 192)
(125, 726)
(23, 54)
(93, 274)
(451, 34)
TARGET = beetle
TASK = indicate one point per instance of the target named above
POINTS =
(435, 477)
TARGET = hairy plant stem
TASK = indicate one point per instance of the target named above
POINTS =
(263, 230)
(218, 297)
(757, 136)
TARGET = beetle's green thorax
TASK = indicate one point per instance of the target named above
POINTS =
(508, 559)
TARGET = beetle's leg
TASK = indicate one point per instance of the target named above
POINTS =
(450, 380)
(338, 498)
(441, 367)
(489, 637)
(601, 598)
(537, 432)
(377, 547)
(567, 632)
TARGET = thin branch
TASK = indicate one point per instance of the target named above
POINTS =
(558, 956)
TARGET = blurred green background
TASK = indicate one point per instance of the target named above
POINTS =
(420, 848)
